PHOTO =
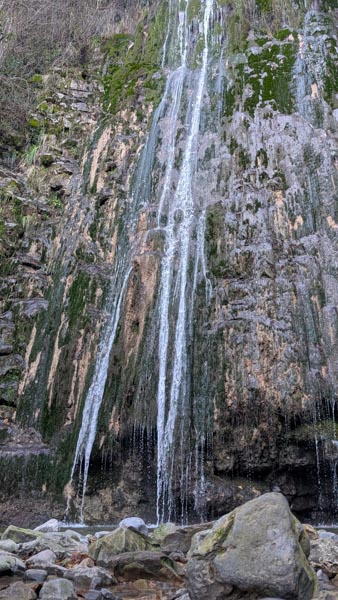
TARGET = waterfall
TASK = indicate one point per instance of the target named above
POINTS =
(173, 406)
(184, 221)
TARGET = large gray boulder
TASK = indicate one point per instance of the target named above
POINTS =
(18, 591)
(256, 548)
(41, 560)
(134, 523)
(11, 564)
(120, 540)
(8, 546)
(50, 526)
(89, 577)
(58, 589)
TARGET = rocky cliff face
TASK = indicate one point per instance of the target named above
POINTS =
(184, 304)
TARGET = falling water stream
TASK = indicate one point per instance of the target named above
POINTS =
(183, 222)
(177, 250)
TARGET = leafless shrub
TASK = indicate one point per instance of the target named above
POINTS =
(35, 34)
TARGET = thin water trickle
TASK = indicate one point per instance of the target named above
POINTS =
(94, 397)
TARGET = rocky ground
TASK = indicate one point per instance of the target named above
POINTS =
(259, 551)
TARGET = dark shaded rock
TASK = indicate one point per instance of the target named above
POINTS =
(172, 538)
(11, 362)
(130, 566)
(38, 575)
(30, 308)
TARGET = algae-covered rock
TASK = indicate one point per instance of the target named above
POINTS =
(119, 541)
(19, 535)
(162, 531)
(255, 548)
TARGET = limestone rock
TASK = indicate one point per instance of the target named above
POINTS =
(85, 577)
(8, 546)
(131, 566)
(19, 535)
(11, 564)
(172, 538)
(58, 589)
(38, 575)
(62, 545)
(255, 548)
(18, 591)
(134, 523)
(324, 555)
(120, 540)
(49, 526)
(41, 560)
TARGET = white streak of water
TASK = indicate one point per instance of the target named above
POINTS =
(94, 397)
(177, 248)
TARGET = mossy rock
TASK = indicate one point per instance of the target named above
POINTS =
(119, 541)
(162, 531)
(19, 536)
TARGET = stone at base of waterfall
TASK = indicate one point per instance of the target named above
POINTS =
(58, 589)
(135, 523)
(18, 591)
(131, 566)
(324, 555)
(38, 575)
(120, 540)
(41, 560)
(255, 548)
(50, 526)
(61, 544)
(173, 538)
(101, 595)
(20, 535)
(9, 563)
(89, 577)
(9, 546)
